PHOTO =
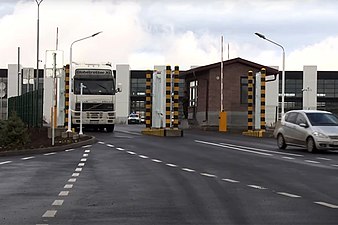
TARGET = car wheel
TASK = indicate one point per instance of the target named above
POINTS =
(311, 145)
(281, 142)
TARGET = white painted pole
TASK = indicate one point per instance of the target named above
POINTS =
(81, 93)
(222, 106)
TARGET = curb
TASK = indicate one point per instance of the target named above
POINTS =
(92, 140)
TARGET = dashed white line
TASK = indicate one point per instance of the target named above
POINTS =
(27, 158)
(143, 157)
(257, 187)
(64, 193)
(120, 149)
(335, 165)
(69, 150)
(230, 180)
(81, 164)
(83, 160)
(208, 175)
(111, 146)
(171, 165)
(156, 160)
(131, 153)
(289, 195)
(327, 205)
(311, 161)
(58, 202)
(287, 157)
(51, 153)
(188, 170)
(6, 162)
(78, 169)
(326, 159)
(85, 155)
(50, 213)
(72, 180)
(101, 142)
(75, 174)
(68, 186)
(87, 146)
(87, 151)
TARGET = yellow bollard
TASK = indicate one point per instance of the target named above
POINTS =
(223, 122)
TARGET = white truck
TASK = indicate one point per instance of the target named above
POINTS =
(98, 96)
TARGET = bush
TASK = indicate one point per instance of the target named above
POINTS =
(13, 133)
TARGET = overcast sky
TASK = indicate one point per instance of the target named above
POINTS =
(144, 33)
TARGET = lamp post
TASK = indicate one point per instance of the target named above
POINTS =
(283, 71)
(81, 93)
(38, 2)
(70, 78)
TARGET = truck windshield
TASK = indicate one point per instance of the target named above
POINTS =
(95, 87)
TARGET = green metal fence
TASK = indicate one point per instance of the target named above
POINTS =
(28, 107)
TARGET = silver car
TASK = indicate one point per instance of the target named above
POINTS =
(313, 129)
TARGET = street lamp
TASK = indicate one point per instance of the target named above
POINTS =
(38, 2)
(283, 71)
(81, 93)
(70, 78)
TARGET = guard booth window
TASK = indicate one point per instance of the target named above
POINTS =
(193, 93)
(244, 90)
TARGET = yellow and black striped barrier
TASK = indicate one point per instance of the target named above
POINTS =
(250, 100)
(176, 96)
(148, 100)
(168, 97)
(66, 95)
(262, 116)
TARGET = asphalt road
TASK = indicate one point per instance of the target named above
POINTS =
(202, 178)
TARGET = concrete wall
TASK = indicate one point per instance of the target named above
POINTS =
(310, 87)
(123, 98)
(271, 99)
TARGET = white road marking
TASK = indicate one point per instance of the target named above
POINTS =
(311, 161)
(81, 164)
(208, 175)
(286, 157)
(85, 155)
(235, 148)
(335, 165)
(101, 142)
(230, 180)
(131, 153)
(6, 162)
(87, 151)
(83, 160)
(30, 157)
(156, 160)
(326, 159)
(42, 224)
(262, 150)
(289, 195)
(257, 187)
(327, 205)
(58, 202)
(72, 180)
(87, 146)
(68, 186)
(64, 193)
(78, 169)
(143, 157)
(188, 170)
(51, 153)
(69, 150)
(50, 213)
(109, 145)
(171, 165)
(75, 174)
(120, 149)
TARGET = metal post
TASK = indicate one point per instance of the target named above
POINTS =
(53, 101)
(81, 93)
(70, 79)
(18, 71)
(222, 76)
(38, 2)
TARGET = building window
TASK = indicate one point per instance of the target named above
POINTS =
(244, 90)
(193, 93)
(138, 87)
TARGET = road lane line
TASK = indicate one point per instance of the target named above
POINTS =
(311, 161)
(64, 193)
(83, 160)
(120, 149)
(81, 164)
(51, 153)
(50, 213)
(75, 174)
(327, 205)
(326, 159)
(335, 165)
(156, 160)
(257, 187)
(286, 157)
(288, 195)
(235, 148)
(6, 162)
(69, 150)
(58, 202)
(27, 158)
(143, 157)
(131, 153)
(85, 155)
(171, 165)
(78, 169)
(73, 180)
(68, 186)
(188, 170)
(111, 146)
(230, 180)
(87, 146)
(101, 142)
(87, 151)
(208, 175)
